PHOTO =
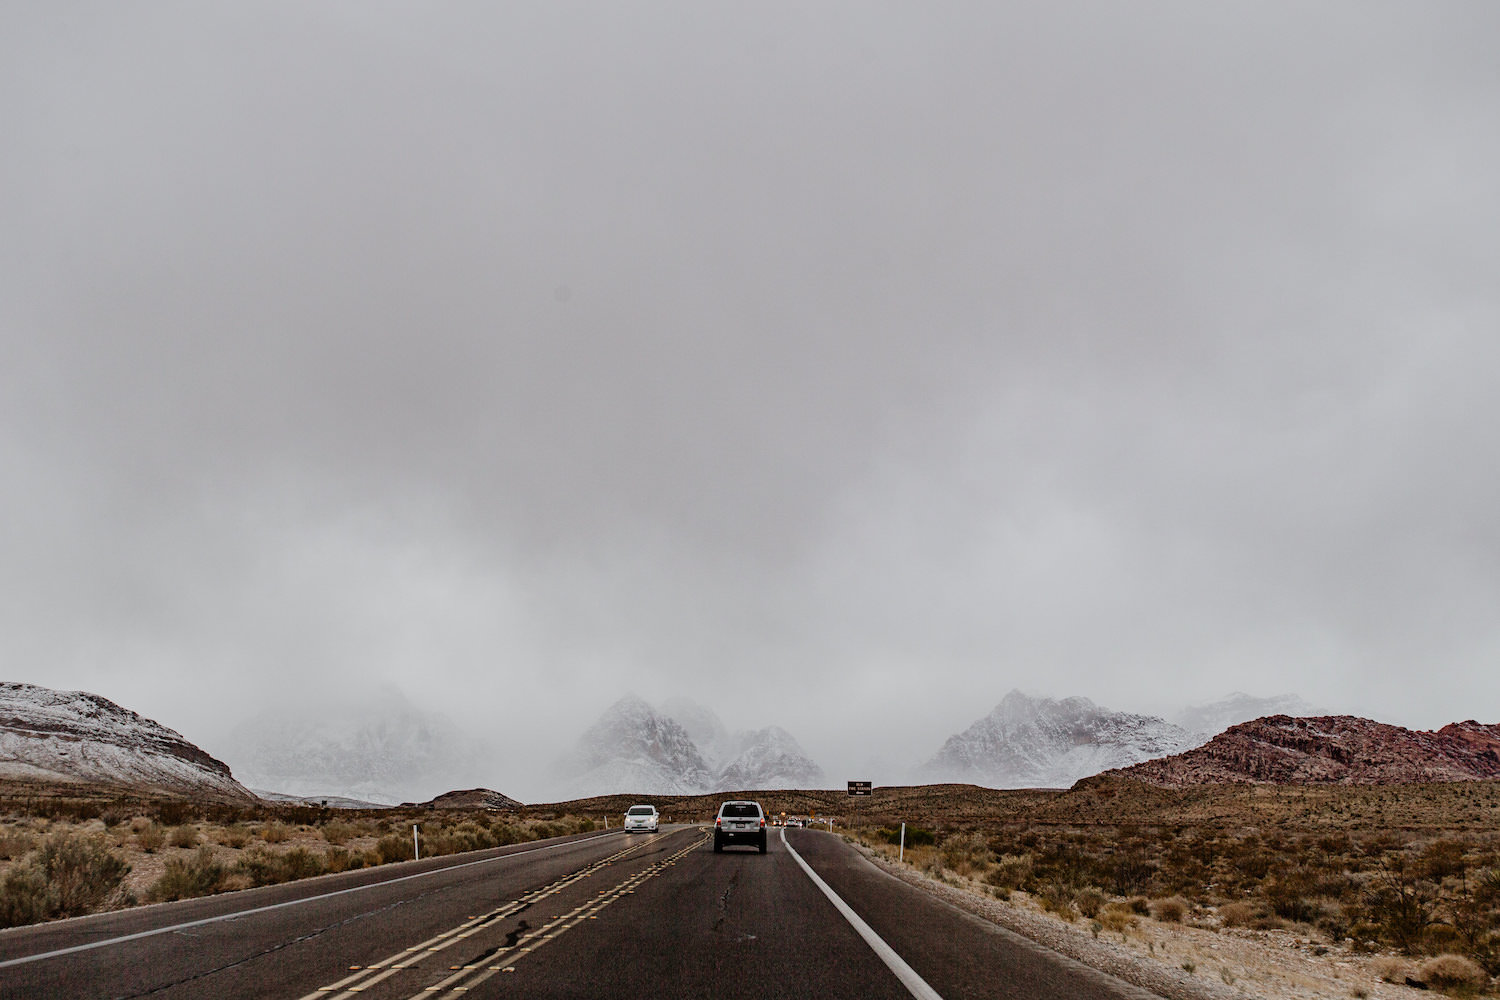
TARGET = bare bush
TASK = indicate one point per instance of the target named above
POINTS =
(338, 833)
(1116, 917)
(1391, 969)
(1452, 972)
(1089, 901)
(1171, 910)
(275, 832)
(185, 878)
(1012, 871)
(150, 837)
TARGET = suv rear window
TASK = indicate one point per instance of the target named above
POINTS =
(741, 809)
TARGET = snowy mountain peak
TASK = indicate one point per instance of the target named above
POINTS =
(1028, 742)
(634, 748)
(53, 735)
(769, 758)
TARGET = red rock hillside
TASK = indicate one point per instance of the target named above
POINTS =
(1330, 750)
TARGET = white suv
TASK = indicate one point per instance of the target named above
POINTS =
(740, 822)
(643, 818)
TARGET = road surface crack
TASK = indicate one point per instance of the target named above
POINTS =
(317, 932)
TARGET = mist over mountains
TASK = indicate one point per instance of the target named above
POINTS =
(381, 748)
(1029, 742)
(636, 747)
(377, 748)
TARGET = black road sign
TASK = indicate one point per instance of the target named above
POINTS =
(859, 788)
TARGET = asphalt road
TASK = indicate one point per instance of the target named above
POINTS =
(601, 915)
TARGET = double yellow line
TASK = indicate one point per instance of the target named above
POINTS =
(469, 976)
(369, 975)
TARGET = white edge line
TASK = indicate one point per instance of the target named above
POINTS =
(915, 984)
(277, 906)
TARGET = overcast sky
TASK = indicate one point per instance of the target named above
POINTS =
(839, 366)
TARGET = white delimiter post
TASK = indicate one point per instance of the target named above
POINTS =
(416, 846)
(902, 857)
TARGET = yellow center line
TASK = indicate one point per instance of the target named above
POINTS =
(472, 975)
(391, 964)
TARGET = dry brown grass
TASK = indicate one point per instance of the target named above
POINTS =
(176, 849)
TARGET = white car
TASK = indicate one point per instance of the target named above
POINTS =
(641, 818)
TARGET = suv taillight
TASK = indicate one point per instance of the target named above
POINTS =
(719, 821)
(762, 822)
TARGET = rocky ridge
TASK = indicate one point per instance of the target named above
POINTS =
(72, 736)
(1330, 749)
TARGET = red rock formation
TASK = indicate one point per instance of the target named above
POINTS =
(1331, 749)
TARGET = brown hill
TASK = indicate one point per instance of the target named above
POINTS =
(1330, 749)
(473, 798)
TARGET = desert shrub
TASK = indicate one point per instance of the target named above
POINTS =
(1116, 917)
(338, 833)
(1139, 905)
(1171, 910)
(1058, 899)
(965, 853)
(1129, 873)
(299, 862)
(82, 872)
(338, 859)
(16, 843)
(1011, 871)
(150, 837)
(173, 812)
(1452, 972)
(185, 878)
(114, 816)
(1238, 914)
(183, 836)
(917, 836)
(23, 897)
(69, 876)
(1253, 914)
(260, 866)
(1442, 859)
(1089, 901)
(1391, 969)
(1402, 902)
(235, 836)
(275, 832)
(393, 847)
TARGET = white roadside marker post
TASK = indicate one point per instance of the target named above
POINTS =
(416, 845)
(902, 857)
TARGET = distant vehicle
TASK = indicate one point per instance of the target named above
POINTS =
(641, 818)
(740, 822)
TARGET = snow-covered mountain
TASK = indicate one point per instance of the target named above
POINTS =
(49, 735)
(1047, 743)
(1212, 719)
(379, 749)
(769, 758)
(680, 749)
(633, 748)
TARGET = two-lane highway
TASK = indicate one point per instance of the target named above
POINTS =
(602, 915)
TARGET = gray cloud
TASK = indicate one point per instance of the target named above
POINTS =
(839, 367)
